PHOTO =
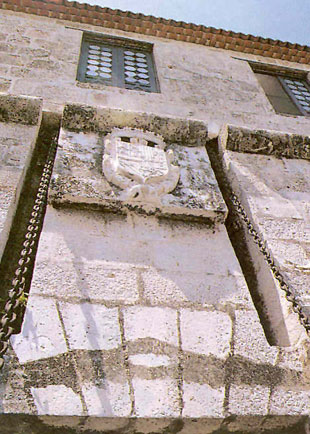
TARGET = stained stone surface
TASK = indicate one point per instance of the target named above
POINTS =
(19, 123)
(20, 110)
(195, 358)
(92, 119)
(38, 339)
(264, 142)
(49, 401)
(245, 399)
(139, 319)
(275, 194)
(201, 400)
(78, 176)
(40, 57)
(206, 333)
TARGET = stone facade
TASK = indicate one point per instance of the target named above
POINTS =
(154, 316)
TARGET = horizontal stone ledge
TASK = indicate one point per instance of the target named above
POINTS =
(20, 109)
(72, 424)
(82, 118)
(265, 142)
(209, 217)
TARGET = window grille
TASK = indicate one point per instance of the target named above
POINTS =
(117, 62)
(287, 89)
(299, 91)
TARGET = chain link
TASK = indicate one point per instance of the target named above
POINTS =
(289, 293)
(17, 298)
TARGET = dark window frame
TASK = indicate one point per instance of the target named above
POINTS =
(291, 94)
(118, 46)
(282, 73)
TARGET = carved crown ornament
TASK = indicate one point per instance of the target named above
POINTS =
(136, 161)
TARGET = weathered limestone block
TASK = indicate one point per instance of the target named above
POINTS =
(57, 401)
(151, 322)
(275, 195)
(90, 326)
(264, 142)
(201, 400)
(78, 175)
(156, 398)
(291, 402)
(19, 123)
(119, 260)
(206, 333)
(252, 345)
(246, 400)
(151, 316)
(38, 339)
(190, 288)
(162, 360)
(93, 119)
(111, 399)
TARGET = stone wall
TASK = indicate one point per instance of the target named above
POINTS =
(39, 57)
(275, 193)
(142, 315)
(19, 125)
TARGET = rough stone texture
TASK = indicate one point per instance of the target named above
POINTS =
(38, 339)
(244, 400)
(90, 327)
(201, 400)
(119, 260)
(111, 400)
(252, 345)
(263, 142)
(151, 322)
(91, 119)
(275, 194)
(20, 110)
(51, 399)
(78, 177)
(19, 123)
(206, 333)
(41, 60)
(290, 401)
(156, 398)
(140, 320)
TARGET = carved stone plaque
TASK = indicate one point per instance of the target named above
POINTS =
(137, 162)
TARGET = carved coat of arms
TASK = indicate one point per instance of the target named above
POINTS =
(137, 162)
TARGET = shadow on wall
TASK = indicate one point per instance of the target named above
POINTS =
(158, 262)
(275, 195)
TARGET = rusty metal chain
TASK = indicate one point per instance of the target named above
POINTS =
(13, 309)
(289, 293)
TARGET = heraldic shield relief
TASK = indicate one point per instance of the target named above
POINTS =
(137, 162)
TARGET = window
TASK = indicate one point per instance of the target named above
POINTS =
(117, 62)
(288, 91)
